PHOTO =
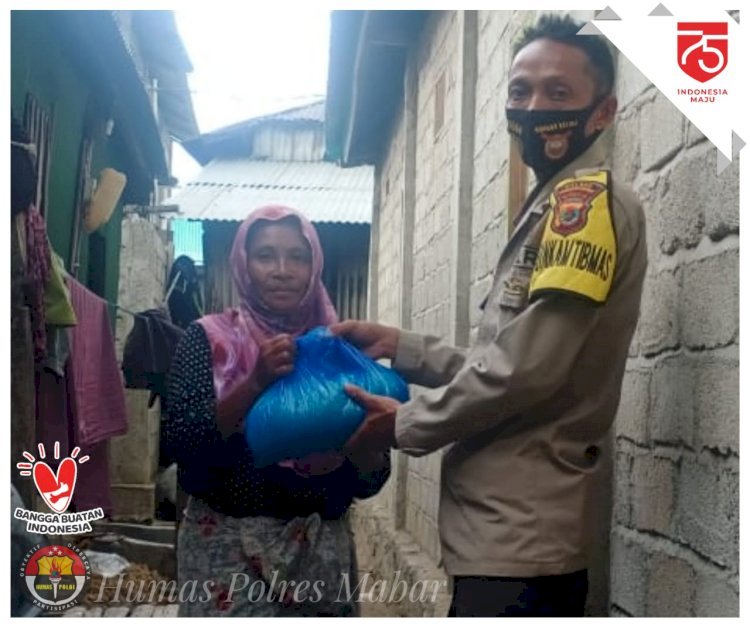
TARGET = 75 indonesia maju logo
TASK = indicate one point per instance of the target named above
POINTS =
(702, 49)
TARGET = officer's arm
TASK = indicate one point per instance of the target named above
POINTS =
(528, 362)
(427, 360)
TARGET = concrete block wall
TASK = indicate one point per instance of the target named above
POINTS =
(435, 178)
(391, 183)
(144, 257)
(436, 153)
(675, 525)
(389, 255)
(491, 150)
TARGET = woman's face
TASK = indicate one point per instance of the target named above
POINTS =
(279, 263)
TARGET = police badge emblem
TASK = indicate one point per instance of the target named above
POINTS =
(556, 144)
(572, 202)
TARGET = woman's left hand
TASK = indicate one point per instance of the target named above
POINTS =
(275, 359)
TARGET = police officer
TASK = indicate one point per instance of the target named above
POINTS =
(525, 411)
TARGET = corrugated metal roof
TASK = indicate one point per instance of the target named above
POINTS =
(229, 189)
(225, 140)
(314, 111)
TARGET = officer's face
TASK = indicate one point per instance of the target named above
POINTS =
(549, 75)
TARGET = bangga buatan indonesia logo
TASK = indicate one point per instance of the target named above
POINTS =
(56, 489)
(702, 49)
(55, 575)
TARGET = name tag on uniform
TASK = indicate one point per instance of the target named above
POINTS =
(515, 293)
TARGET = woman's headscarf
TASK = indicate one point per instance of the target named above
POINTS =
(235, 335)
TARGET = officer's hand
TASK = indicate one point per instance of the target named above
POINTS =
(376, 341)
(377, 432)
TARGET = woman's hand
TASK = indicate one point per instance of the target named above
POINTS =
(275, 359)
(376, 341)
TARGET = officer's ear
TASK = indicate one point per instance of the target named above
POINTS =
(603, 116)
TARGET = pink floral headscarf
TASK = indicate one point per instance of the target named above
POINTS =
(235, 335)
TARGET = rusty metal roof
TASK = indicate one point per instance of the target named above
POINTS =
(229, 189)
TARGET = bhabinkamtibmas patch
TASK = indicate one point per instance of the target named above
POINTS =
(578, 252)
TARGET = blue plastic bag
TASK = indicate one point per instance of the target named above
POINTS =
(308, 411)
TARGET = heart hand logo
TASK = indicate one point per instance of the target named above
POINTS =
(56, 489)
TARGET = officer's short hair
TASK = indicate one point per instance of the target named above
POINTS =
(563, 29)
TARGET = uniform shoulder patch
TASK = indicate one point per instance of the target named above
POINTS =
(578, 251)
(572, 203)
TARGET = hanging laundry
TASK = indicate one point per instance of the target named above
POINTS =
(58, 349)
(57, 422)
(148, 352)
(80, 401)
(184, 299)
(59, 315)
(93, 485)
(38, 265)
(96, 379)
(58, 309)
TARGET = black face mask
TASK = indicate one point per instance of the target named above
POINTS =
(550, 139)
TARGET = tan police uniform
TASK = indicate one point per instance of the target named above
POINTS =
(525, 411)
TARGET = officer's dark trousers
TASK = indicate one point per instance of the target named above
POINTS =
(547, 596)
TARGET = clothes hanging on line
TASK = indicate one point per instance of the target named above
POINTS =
(80, 399)
(96, 378)
(148, 352)
(58, 308)
(58, 350)
(38, 269)
(57, 422)
(58, 315)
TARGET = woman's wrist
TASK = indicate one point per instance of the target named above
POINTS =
(255, 388)
(231, 414)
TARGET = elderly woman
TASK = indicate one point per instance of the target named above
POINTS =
(270, 541)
